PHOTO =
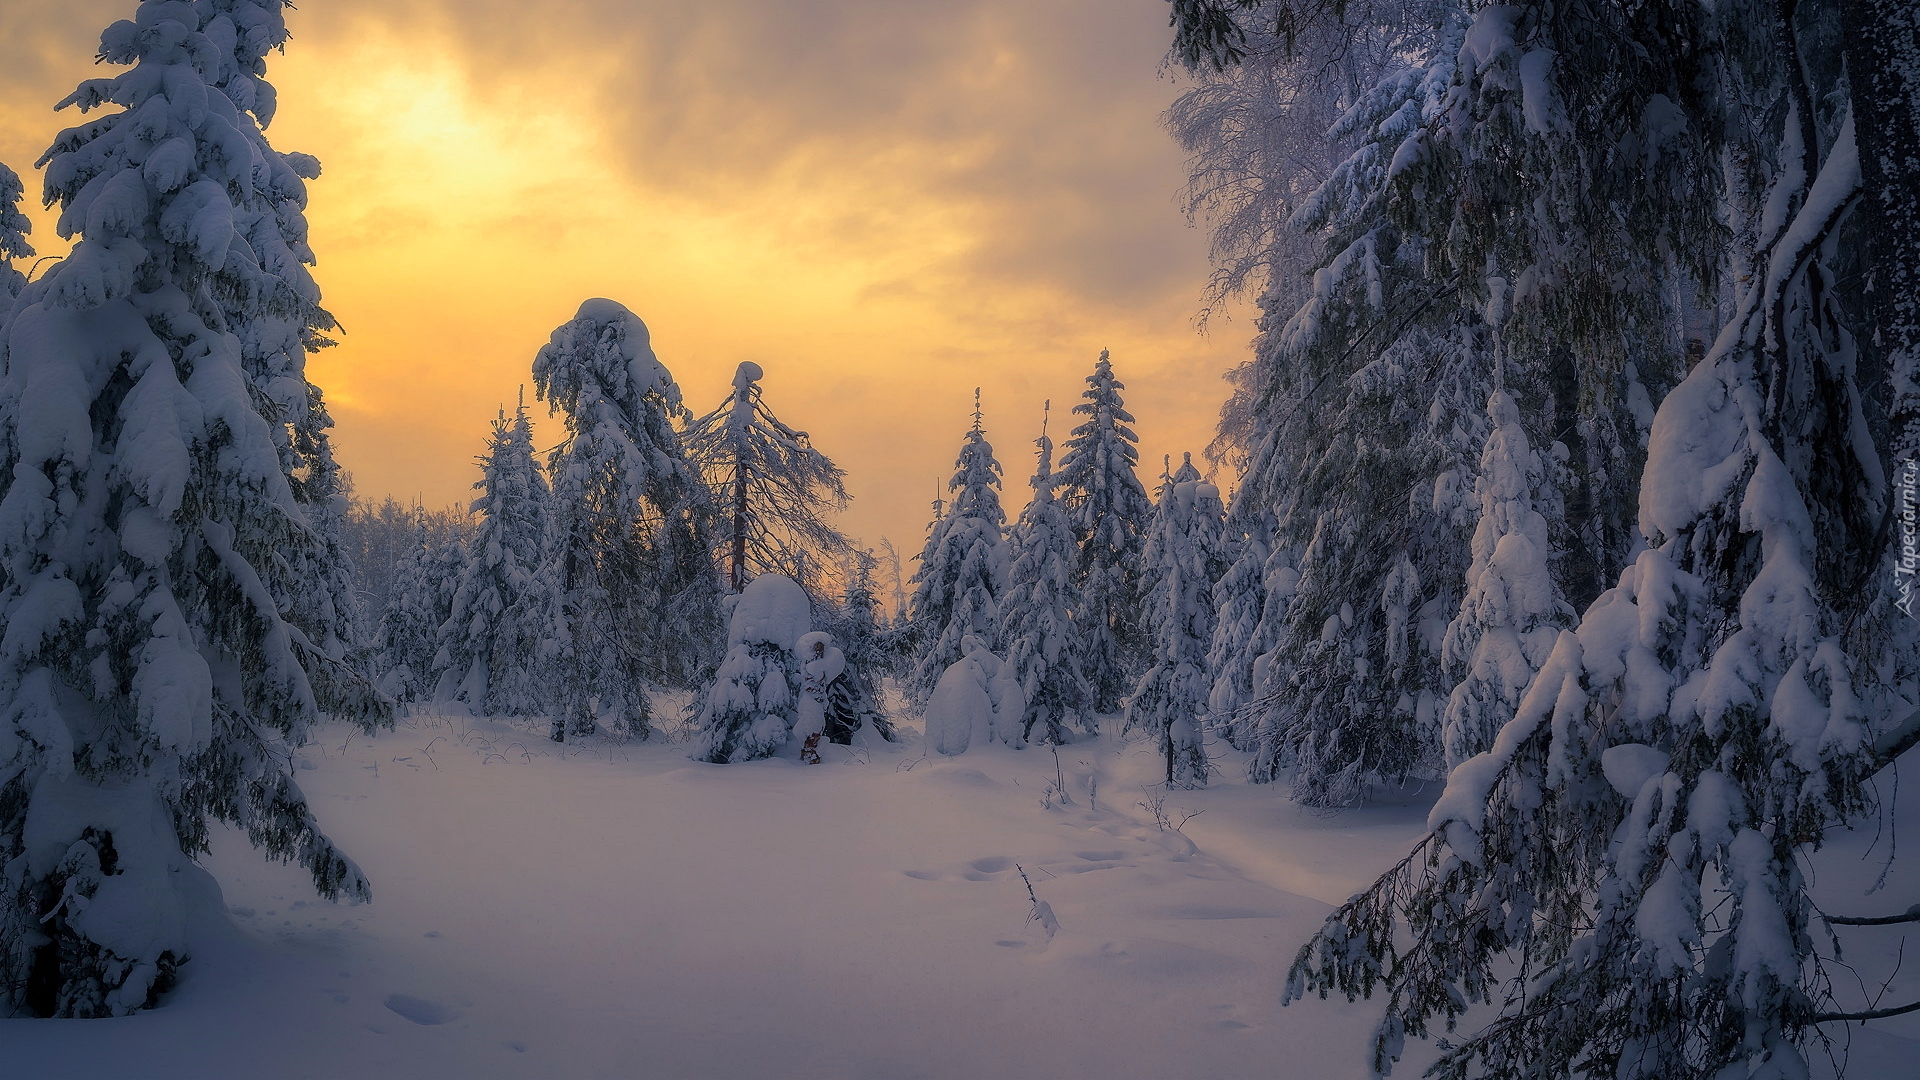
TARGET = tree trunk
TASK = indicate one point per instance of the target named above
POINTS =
(739, 570)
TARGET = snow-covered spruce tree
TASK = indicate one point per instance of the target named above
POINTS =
(962, 578)
(771, 489)
(1043, 643)
(854, 696)
(750, 710)
(493, 623)
(1109, 510)
(151, 681)
(276, 332)
(627, 589)
(418, 605)
(322, 601)
(1435, 127)
(1255, 129)
(1590, 281)
(1250, 604)
(14, 228)
(380, 540)
(1353, 684)
(1512, 612)
(1619, 876)
(1187, 554)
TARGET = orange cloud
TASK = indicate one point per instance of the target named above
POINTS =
(884, 204)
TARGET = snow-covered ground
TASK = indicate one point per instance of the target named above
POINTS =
(609, 910)
(617, 910)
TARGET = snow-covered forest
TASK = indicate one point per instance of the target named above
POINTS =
(1517, 685)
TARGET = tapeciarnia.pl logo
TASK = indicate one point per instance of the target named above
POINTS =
(1908, 562)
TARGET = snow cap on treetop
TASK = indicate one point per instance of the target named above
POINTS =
(747, 372)
(1501, 409)
(636, 344)
(772, 609)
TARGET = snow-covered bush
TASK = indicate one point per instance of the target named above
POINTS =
(751, 709)
(154, 669)
(977, 701)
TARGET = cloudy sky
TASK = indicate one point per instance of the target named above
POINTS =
(885, 203)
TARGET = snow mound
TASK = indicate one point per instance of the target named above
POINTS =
(774, 610)
(976, 701)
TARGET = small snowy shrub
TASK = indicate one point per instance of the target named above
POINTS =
(977, 701)
(755, 700)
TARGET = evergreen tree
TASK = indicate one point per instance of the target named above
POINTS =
(1620, 875)
(325, 601)
(854, 696)
(14, 228)
(152, 681)
(963, 570)
(420, 603)
(492, 625)
(1250, 603)
(275, 338)
(1365, 484)
(751, 709)
(1186, 555)
(1109, 510)
(772, 488)
(1043, 642)
(1584, 287)
(380, 539)
(1512, 612)
(627, 509)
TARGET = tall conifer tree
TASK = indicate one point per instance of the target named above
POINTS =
(772, 491)
(1618, 881)
(153, 676)
(1186, 555)
(1109, 510)
(1043, 642)
(963, 571)
(624, 495)
(493, 625)
(14, 228)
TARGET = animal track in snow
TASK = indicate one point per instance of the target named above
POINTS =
(420, 1010)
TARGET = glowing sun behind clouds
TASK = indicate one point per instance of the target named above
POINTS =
(884, 204)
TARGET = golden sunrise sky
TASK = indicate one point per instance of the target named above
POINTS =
(883, 202)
